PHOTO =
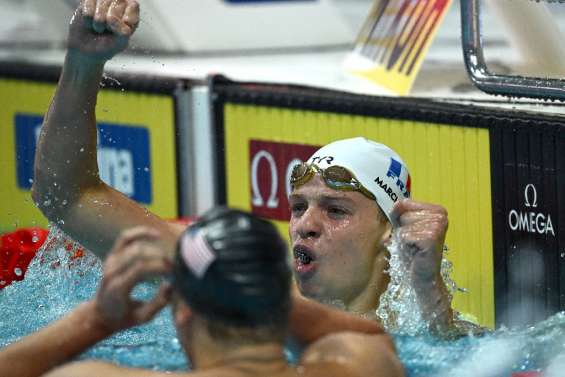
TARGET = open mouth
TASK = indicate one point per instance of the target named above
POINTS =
(303, 255)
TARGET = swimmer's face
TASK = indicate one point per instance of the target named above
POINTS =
(336, 237)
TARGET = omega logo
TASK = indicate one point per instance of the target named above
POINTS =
(530, 221)
(257, 199)
(272, 201)
(530, 191)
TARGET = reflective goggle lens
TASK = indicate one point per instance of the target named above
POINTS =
(336, 177)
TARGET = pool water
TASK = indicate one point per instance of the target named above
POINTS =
(55, 283)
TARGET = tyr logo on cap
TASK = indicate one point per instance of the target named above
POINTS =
(320, 159)
(395, 172)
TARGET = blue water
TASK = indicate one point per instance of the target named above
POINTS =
(54, 284)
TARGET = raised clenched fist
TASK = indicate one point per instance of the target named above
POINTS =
(100, 29)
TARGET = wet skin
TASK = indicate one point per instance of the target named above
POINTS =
(338, 243)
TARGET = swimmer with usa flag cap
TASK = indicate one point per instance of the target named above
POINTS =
(232, 305)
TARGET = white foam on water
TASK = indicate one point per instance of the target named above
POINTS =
(493, 358)
(556, 368)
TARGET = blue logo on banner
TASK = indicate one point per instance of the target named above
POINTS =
(123, 156)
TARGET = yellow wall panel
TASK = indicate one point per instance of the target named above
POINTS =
(151, 112)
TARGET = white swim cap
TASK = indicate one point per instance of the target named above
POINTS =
(377, 167)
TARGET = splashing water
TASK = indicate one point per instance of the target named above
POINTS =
(498, 354)
(56, 281)
(398, 308)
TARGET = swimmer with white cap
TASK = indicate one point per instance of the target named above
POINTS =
(232, 308)
(346, 200)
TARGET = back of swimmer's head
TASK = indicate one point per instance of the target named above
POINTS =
(232, 268)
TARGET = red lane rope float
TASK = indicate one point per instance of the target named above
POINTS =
(17, 249)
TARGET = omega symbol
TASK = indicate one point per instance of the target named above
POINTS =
(257, 199)
(531, 189)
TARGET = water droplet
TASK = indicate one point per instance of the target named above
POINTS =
(47, 203)
(18, 271)
(81, 150)
(55, 184)
(61, 222)
(146, 169)
(65, 202)
(30, 180)
(34, 239)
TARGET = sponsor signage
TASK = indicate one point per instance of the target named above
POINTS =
(123, 156)
(136, 148)
(529, 246)
(270, 168)
(528, 219)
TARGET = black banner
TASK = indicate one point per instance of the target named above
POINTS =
(528, 185)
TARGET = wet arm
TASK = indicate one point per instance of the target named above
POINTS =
(67, 186)
(53, 345)
(310, 321)
(436, 306)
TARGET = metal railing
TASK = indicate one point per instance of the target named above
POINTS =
(492, 83)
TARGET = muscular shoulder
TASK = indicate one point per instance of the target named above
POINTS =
(355, 353)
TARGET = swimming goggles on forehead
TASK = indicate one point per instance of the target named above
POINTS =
(335, 177)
